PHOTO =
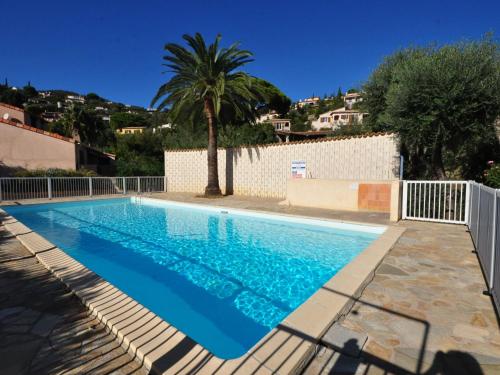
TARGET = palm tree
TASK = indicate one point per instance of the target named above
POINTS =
(205, 82)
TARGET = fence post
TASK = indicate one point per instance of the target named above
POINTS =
(124, 185)
(478, 210)
(90, 186)
(405, 198)
(467, 203)
(164, 186)
(49, 187)
(138, 185)
(493, 231)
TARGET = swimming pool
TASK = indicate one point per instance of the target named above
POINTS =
(223, 277)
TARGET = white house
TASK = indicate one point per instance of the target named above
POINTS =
(75, 99)
(339, 117)
(266, 117)
(308, 101)
(351, 99)
(161, 127)
(281, 124)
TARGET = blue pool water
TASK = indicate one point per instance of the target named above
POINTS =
(223, 278)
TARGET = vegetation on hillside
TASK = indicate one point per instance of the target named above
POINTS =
(443, 102)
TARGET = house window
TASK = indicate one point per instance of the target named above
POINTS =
(343, 117)
(336, 117)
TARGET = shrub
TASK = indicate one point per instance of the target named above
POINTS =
(55, 172)
(492, 175)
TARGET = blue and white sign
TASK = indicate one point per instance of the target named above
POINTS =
(298, 169)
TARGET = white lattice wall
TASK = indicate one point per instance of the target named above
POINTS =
(263, 170)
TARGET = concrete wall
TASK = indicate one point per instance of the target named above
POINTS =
(24, 147)
(346, 195)
(264, 170)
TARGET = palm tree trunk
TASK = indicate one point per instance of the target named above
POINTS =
(213, 174)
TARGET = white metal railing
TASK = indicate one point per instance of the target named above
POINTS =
(439, 201)
(19, 188)
(484, 227)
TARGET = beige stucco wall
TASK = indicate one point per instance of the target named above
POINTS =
(340, 195)
(30, 150)
(14, 114)
(264, 170)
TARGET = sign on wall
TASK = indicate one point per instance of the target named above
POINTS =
(298, 169)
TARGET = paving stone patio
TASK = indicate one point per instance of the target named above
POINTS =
(44, 329)
(424, 311)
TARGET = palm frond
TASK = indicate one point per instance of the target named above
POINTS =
(201, 72)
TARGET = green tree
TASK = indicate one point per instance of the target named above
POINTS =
(246, 134)
(29, 92)
(13, 97)
(205, 82)
(299, 120)
(85, 124)
(139, 155)
(275, 100)
(443, 103)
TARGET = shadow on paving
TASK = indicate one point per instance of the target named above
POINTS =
(44, 328)
(453, 362)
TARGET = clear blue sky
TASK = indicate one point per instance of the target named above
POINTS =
(114, 48)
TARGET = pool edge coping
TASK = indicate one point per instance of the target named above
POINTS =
(285, 349)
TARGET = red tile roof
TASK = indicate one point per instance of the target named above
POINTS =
(36, 130)
(11, 106)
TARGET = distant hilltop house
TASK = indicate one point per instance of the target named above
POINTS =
(281, 124)
(338, 117)
(75, 99)
(266, 117)
(131, 130)
(161, 127)
(352, 98)
(51, 116)
(313, 100)
(341, 116)
(26, 147)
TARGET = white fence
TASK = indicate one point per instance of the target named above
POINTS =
(440, 201)
(484, 226)
(462, 202)
(19, 188)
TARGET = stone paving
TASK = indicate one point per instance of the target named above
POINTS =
(44, 329)
(424, 311)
